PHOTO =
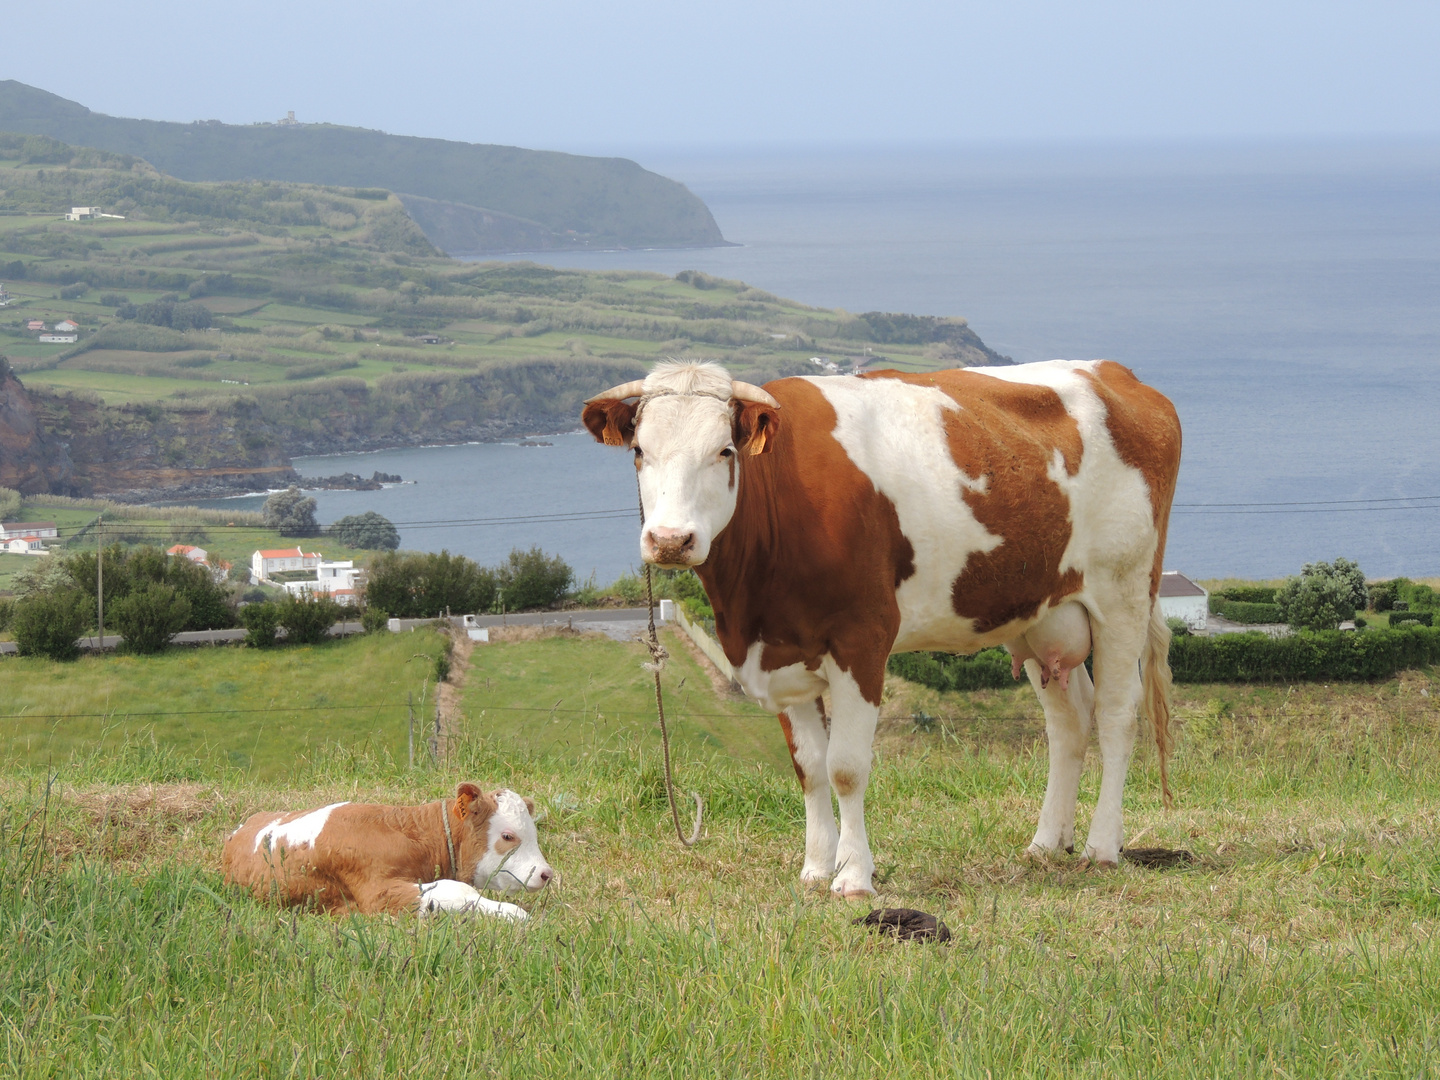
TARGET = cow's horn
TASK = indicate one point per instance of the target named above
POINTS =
(745, 391)
(619, 393)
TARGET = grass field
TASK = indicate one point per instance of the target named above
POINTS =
(1300, 942)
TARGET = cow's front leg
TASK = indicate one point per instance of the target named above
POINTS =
(806, 735)
(852, 734)
(1068, 715)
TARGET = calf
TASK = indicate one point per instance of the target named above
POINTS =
(367, 857)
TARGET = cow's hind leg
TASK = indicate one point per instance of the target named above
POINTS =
(852, 735)
(1117, 698)
(1068, 717)
(805, 733)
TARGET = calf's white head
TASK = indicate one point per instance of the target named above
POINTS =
(497, 841)
(689, 424)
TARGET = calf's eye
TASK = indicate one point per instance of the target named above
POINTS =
(728, 452)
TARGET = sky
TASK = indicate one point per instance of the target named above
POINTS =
(601, 76)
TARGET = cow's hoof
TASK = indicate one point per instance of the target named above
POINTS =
(853, 893)
(812, 877)
(1092, 863)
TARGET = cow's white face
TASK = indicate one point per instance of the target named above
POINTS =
(688, 430)
(511, 860)
(685, 456)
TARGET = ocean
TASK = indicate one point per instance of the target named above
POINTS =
(1286, 298)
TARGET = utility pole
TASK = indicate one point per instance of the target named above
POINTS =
(100, 576)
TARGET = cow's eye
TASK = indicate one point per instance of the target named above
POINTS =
(508, 837)
(728, 452)
(638, 455)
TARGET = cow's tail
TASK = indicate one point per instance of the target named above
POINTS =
(1155, 686)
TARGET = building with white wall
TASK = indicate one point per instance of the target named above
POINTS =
(1181, 598)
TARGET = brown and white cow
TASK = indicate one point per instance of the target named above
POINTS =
(368, 857)
(834, 521)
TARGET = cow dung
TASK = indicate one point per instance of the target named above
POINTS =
(1158, 858)
(906, 924)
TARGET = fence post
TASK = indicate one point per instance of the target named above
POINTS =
(435, 739)
(410, 707)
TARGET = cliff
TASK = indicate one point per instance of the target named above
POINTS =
(32, 460)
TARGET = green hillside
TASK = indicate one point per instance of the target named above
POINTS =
(225, 327)
(494, 198)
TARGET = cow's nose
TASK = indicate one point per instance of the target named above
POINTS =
(671, 545)
(546, 875)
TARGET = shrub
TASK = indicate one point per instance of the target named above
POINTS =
(261, 621)
(531, 579)
(7, 612)
(1382, 596)
(113, 299)
(307, 618)
(9, 498)
(1177, 625)
(49, 624)
(374, 619)
(71, 292)
(149, 617)
(291, 513)
(422, 585)
(1323, 595)
(369, 530)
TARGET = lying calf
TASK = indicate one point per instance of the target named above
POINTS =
(367, 857)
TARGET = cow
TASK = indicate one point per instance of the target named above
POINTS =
(372, 858)
(836, 520)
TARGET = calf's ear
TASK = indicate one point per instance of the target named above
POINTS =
(611, 422)
(465, 795)
(756, 426)
(529, 804)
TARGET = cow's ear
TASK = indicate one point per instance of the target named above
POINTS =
(465, 795)
(611, 422)
(529, 804)
(756, 426)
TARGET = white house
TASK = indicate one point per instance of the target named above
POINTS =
(335, 579)
(265, 563)
(1181, 598)
(194, 554)
(59, 339)
(45, 530)
(24, 545)
(65, 326)
(90, 213)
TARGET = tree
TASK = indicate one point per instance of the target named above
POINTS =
(368, 530)
(207, 602)
(307, 618)
(291, 513)
(9, 500)
(1323, 595)
(531, 579)
(49, 624)
(261, 621)
(421, 585)
(149, 617)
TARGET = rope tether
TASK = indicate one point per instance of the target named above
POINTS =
(658, 656)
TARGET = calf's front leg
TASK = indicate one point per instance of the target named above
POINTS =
(448, 895)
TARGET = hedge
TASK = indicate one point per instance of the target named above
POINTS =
(1305, 656)
(1249, 594)
(1423, 618)
(1247, 612)
(988, 669)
